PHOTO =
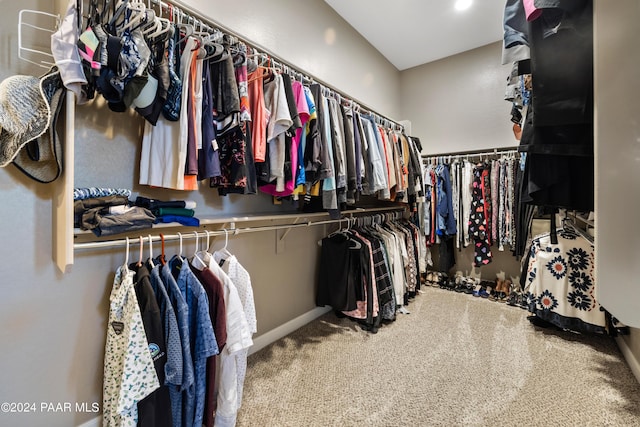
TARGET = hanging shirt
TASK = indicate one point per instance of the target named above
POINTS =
(241, 79)
(194, 119)
(388, 152)
(359, 150)
(186, 61)
(160, 155)
(173, 368)
(208, 156)
(218, 314)
(280, 121)
(329, 196)
(478, 223)
(182, 317)
(302, 109)
(129, 373)
(155, 409)
(394, 250)
(446, 219)
(238, 338)
(258, 115)
(232, 161)
(337, 138)
(350, 147)
(201, 336)
(377, 172)
(467, 185)
(241, 278)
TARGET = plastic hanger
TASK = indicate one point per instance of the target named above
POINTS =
(150, 27)
(201, 265)
(151, 252)
(126, 257)
(163, 259)
(138, 12)
(338, 231)
(354, 244)
(180, 248)
(206, 248)
(186, 28)
(223, 254)
(160, 26)
(139, 264)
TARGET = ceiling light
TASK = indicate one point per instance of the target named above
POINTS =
(463, 4)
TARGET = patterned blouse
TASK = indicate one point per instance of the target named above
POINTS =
(129, 374)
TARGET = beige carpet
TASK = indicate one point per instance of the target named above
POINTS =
(455, 360)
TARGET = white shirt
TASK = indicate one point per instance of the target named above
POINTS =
(238, 339)
(160, 155)
(279, 121)
(241, 278)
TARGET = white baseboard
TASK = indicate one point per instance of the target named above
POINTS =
(629, 357)
(258, 343)
(94, 422)
(283, 330)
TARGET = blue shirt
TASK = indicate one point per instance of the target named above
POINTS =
(446, 220)
(202, 338)
(173, 368)
(182, 318)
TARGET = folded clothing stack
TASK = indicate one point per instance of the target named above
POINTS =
(109, 214)
(180, 211)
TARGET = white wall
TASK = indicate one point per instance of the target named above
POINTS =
(311, 35)
(617, 134)
(52, 325)
(457, 103)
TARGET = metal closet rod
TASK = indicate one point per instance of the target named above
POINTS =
(211, 24)
(482, 152)
(229, 232)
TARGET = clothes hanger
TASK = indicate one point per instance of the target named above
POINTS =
(150, 27)
(139, 264)
(185, 28)
(206, 247)
(138, 12)
(180, 247)
(158, 27)
(151, 252)
(338, 231)
(201, 265)
(354, 244)
(163, 259)
(126, 257)
(221, 255)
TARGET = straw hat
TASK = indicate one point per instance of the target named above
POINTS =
(28, 109)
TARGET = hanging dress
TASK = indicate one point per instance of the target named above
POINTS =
(478, 223)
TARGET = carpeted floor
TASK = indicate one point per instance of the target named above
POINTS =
(455, 360)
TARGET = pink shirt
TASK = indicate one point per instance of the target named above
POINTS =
(303, 113)
(531, 11)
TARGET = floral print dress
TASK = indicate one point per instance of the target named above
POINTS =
(478, 229)
(560, 286)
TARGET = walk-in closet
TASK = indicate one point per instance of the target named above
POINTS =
(319, 213)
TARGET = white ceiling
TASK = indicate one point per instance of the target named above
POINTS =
(414, 32)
